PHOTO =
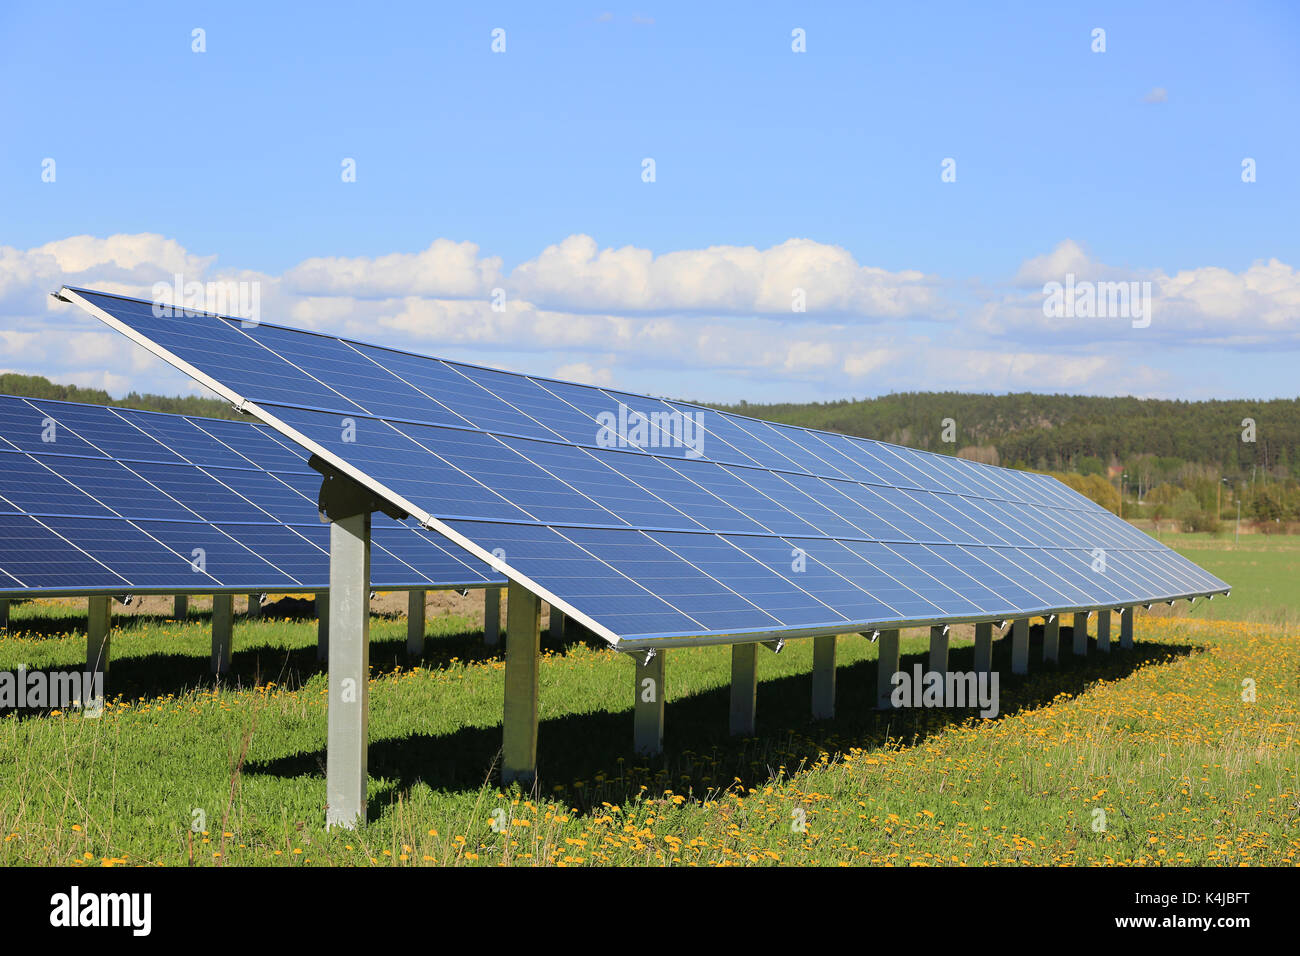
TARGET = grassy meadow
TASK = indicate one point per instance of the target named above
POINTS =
(1264, 571)
(1145, 757)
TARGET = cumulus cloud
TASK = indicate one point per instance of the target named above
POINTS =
(712, 323)
(576, 274)
(119, 263)
(584, 373)
(1207, 305)
(1069, 257)
(446, 269)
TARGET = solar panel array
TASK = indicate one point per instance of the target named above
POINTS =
(651, 520)
(110, 500)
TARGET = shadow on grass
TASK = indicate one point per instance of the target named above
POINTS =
(584, 759)
(142, 677)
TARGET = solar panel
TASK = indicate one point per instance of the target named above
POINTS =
(96, 499)
(654, 521)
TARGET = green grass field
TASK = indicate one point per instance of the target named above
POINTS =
(1144, 757)
(1264, 571)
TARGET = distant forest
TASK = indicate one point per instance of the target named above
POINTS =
(1067, 432)
(1185, 461)
(35, 386)
(1188, 462)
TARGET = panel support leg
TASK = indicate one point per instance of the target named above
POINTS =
(886, 667)
(823, 677)
(223, 631)
(254, 605)
(491, 616)
(415, 625)
(1052, 638)
(984, 647)
(523, 652)
(1126, 628)
(99, 623)
(1103, 630)
(939, 649)
(648, 709)
(4, 613)
(556, 625)
(744, 689)
(349, 671)
(181, 607)
(1020, 646)
(323, 627)
(1079, 631)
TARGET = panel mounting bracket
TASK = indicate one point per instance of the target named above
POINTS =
(341, 497)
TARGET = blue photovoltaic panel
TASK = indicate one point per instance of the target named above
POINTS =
(656, 520)
(30, 551)
(95, 498)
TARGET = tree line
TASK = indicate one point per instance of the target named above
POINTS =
(37, 386)
(1190, 462)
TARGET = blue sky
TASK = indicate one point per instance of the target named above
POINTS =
(1117, 165)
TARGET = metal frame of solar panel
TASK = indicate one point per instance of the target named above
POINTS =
(657, 523)
(100, 501)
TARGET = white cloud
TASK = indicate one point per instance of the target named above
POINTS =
(577, 275)
(862, 363)
(1206, 305)
(125, 263)
(584, 373)
(1157, 94)
(711, 323)
(1068, 257)
(446, 269)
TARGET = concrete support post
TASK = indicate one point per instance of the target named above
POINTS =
(1080, 633)
(323, 627)
(744, 689)
(1126, 628)
(648, 707)
(99, 624)
(886, 667)
(823, 677)
(491, 616)
(181, 607)
(984, 647)
(415, 625)
(556, 625)
(523, 652)
(349, 671)
(1052, 638)
(939, 649)
(223, 632)
(1020, 646)
(1103, 630)
(254, 605)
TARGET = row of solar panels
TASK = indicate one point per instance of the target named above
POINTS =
(652, 521)
(108, 500)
